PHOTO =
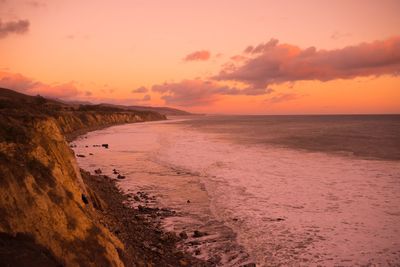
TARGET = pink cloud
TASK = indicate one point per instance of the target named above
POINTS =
(146, 98)
(274, 63)
(282, 98)
(141, 89)
(199, 92)
(36, 4)
(13, 27)
(29, 86)
(202, 55)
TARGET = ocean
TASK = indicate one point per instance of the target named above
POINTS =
(274, 190)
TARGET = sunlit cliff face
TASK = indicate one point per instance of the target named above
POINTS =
(253, 57)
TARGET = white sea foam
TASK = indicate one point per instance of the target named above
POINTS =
(286, 206)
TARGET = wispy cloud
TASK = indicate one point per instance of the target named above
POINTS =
(202, 55)
(13, 27)
(282, 97)
(141, 89)
(339, 35)
(146, 98)
(36, 4)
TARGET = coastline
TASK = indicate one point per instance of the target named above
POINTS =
(145, 242)
(49, 215)
(213, 244)
(205, 181)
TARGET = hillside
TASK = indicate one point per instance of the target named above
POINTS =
(167, 111)
(46, 213)
(162, 110)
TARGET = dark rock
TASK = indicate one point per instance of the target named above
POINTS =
(197, 252)
(85, 199)
(136, 198)
(80, 155)
(275, 219)
(91, 154)
(197, 234)
(249, 265)
(97, 171)
(188, 201)
(105, 145)
(86, 146)
(120, 176)
(183, 235)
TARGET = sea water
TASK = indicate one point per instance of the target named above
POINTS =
(273, 190)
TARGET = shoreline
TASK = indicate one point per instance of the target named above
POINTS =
(206, 242)
(146, 243)
(168, 163)
(72, 136)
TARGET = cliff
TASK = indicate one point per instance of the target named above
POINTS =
(43, 199)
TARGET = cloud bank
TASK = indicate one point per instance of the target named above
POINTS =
(202, 55)
(13, 27)
(28, 86)
(199, 92)
(274, 63)
(65, 91)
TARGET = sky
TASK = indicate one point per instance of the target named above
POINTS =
(219, 56)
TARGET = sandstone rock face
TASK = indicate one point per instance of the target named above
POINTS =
(71, 122)
(41, 187)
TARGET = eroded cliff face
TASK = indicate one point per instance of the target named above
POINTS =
(77, 122)
(41, 187)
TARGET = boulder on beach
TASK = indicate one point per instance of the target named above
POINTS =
(120, 176)
(198, 233)
(183, 235)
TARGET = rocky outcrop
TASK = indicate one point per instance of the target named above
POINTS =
(42, 191)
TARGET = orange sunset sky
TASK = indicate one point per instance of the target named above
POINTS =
(228, 56)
